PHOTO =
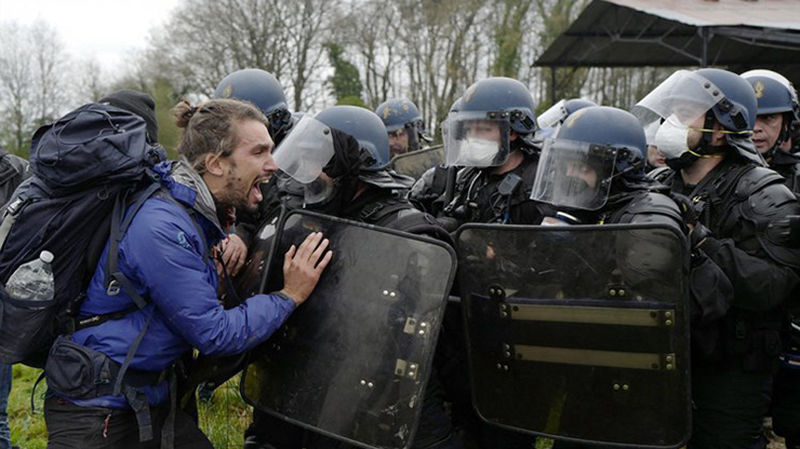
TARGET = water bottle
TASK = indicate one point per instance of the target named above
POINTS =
(33, 281)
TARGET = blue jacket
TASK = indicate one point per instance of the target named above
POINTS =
(162, 253)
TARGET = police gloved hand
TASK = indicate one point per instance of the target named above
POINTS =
(303, 266)
(688, 212)
(698, 235)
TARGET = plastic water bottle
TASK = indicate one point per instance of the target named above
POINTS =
(33, 281)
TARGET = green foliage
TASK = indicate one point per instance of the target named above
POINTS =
(351, 100)
(345, 81)
(168, 133)
(223, 419)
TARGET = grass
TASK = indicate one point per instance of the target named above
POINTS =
(223, 419)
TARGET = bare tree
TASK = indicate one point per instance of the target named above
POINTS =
(32, 91)
(90, 80)
(306, 28)
(47, 54)
(370, 30)
(207, 39)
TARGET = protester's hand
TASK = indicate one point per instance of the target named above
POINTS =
(234, 253)
(303, 265)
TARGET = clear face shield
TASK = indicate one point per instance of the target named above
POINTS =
(575, 175)
(303, 154)
(554, 116)
(476, 139)
(669, 110)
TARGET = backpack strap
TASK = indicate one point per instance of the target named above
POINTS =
(9, 217)
(114, 278)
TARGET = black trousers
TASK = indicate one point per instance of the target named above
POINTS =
(729, 406)
(786, 406)
(70, 426)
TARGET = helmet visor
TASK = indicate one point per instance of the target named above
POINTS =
(475, 139)
(305, 150)
(553, 116)
(573, 174)
(684, 94)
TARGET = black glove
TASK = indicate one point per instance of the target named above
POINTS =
(690, 215)
(688, 212)
(698, 235)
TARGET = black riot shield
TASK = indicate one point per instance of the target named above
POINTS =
(415, 163)
(352, 361)
(579, 332)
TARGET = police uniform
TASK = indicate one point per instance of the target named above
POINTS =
(731, 381)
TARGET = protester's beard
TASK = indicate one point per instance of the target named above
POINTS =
(236, 193)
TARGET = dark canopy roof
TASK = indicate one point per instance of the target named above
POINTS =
(740, 34)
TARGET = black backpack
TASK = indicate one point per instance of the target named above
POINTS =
(88, 168)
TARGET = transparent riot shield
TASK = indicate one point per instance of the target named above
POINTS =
(415, 163)
(579, 332)
(352, 361)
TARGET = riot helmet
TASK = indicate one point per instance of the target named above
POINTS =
(478, 134)
(595, 147)
(329, 153)
(776, 99)
(365, 126)
(693, 101)
(263, 90)
(404, 125)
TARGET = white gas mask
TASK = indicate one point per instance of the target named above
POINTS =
(672, 138)
(478, 152)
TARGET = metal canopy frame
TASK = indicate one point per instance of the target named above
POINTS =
(611, 33)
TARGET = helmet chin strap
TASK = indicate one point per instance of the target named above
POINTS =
(785, 135)
(705, 150)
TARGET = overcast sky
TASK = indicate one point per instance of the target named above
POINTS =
(107, 30)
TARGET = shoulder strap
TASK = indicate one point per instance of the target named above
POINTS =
(9, 217)
(115, 279)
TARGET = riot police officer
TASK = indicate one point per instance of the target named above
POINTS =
(490, 160)
(490, 139)
(350, 179)
(708, 117)
(404, 125)
(593, 173)
(778, 111)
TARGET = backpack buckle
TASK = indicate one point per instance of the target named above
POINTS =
(113, 288)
